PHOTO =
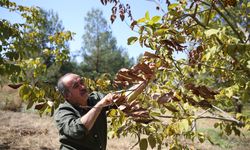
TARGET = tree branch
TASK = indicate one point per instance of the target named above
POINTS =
(207, 66)
(226, 19)
(138, 141)
(178, 68)
(208, 117)
(197, 20)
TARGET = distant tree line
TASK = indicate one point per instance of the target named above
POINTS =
(100, 53)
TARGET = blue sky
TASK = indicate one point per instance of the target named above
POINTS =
(72, 13)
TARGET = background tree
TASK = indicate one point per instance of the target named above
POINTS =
(25, 49)
(101, 54)
(50, 24)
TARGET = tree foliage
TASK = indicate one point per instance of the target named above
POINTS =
(29, 49)
(101, 54)
(215, 77)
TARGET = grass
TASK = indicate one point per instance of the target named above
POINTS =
(246, 109)
(227, 142)
(224, 142)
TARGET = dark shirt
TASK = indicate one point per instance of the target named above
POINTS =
(73, 135)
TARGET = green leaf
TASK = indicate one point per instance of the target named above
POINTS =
(248, 5)
(248, 64)
(147, 17)
(155, 19)
(152, 141)
(228, 130)
(160, 32)
(149, 30)
(210, 140)
(143, 144)
(211, 32)
(155, 113)
(184, 124)
(216, 125)
(30, 104)
(231, 90)
(112, 113)
(132, 40)
(201, 137)
(172, 6)
(141, 20)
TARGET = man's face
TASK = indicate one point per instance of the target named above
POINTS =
(77, 90)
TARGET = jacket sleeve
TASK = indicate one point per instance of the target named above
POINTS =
(69, 123)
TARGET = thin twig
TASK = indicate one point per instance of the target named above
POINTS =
(138, 141)
(207, 117)
(178, 68)
(203, 112)
(220, 118)
(197, 21)
(228, 13)
(207, 66)
(209, 13)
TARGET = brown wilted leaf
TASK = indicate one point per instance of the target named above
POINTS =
(202, 91)
(150, 55)
(104, 2)
(119, 99)
(122, 83)
(172, 43)
(164, 98)
(190, 100)
(207, 92)
(205, 104)
(143, 120)
(122, 16)
(114, 9)
(130, 74)
(112, 18)
(167, 97)
(121, 77)
(15, 86)
(39, 106)
(139, 113)
(142, 67)
(133, 25)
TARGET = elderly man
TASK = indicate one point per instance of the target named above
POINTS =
(81, 119)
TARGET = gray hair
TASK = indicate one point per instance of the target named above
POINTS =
(61, 87)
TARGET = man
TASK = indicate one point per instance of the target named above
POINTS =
(81, 119)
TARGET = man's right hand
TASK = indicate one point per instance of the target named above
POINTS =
(105, 101)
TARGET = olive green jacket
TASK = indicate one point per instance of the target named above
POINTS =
(73, 135)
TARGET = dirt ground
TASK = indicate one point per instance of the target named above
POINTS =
(23, 131)
(29, 131)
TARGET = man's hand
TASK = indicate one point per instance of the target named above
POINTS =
(107, 100)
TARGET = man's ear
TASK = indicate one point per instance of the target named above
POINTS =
(67, 95)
